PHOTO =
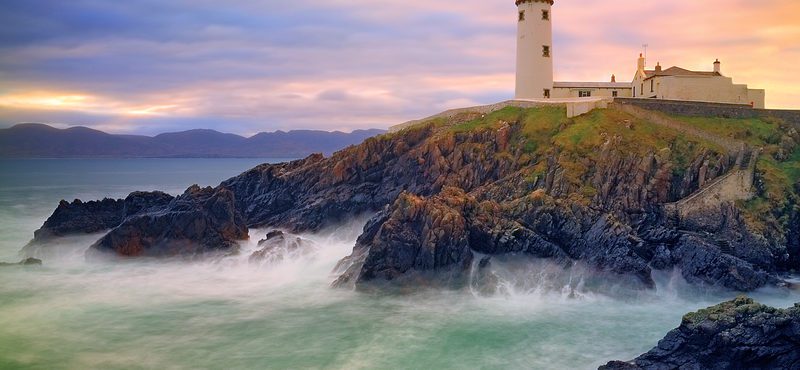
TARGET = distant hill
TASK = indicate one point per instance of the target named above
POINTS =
(38, 140)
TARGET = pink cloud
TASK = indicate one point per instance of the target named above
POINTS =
(392, 60)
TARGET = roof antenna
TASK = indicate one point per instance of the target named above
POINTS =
(645, 46)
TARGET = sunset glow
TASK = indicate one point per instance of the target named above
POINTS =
(353, 64)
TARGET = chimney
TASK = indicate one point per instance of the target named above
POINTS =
(717, 67)
(613, 78)
(641, 62)
(658, 67)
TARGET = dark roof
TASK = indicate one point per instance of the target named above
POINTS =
(533, 1)
(678, 71)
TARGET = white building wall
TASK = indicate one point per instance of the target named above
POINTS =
(561, 93)
(534, 70)
(718, 89)
(757, 97)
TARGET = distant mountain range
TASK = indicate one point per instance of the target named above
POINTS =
(34, 140)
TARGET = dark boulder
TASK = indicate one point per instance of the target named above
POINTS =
(278, 246)
(420, 242)
(740, 334)
(702, 262)
(145, 201)
(200, 221)
(89, 217)
(81, 217)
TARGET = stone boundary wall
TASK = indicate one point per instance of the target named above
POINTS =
(706, 109)
(735, 185)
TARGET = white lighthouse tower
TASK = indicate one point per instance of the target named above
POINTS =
(534, 49)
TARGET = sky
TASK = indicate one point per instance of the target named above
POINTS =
(248, 66)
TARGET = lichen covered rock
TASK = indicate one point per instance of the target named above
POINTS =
(739, 334)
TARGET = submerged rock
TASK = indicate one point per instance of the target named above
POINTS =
(25, 262)
(740, 334)
(278, 246)
(201, 220)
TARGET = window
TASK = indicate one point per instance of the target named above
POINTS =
(634, 91)
(547, 93)
(584, 93)
(641, 89)
(614, 94)
(651, 85)
(522, 16)
(545, 51)
(546, 15)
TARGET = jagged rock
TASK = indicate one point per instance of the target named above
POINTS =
(724, 225)
(81, 217)
(740, 334)
(25, 262)
(278, 246)
(418, 237)
(201, 220)
(793, 239)
(700, 261)
(308, 194)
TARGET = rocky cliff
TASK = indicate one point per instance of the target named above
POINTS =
(514, 182)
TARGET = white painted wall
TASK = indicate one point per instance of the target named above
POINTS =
(718, 89)
(534, 71)
(560, 92)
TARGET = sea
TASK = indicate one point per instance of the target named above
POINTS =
(74, 313)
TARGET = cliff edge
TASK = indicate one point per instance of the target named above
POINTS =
(527, 183)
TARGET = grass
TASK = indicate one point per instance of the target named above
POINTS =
(754, 131)
(589, 131)
(791, 167)
(490, 121)
(545, 131)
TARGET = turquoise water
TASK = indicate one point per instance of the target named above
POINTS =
(74, 314)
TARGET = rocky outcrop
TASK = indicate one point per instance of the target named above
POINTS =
(198, 222)
(416, 237)
(425, 236)
(740, 334)
(702, 262)
(308, 194)
(500, 187)
(279, 246)
(89, 217)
